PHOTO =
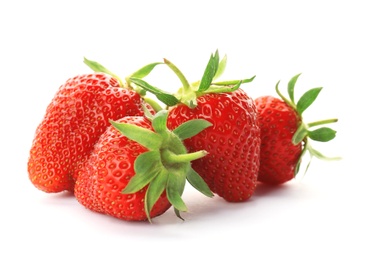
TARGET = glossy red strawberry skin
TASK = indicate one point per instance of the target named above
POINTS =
(107, 172)
(278, 155)
(73, 122)
(233, 142)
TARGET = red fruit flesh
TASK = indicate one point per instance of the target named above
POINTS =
(74, 120)
(107, 172)
(278, 155)
(233, 142)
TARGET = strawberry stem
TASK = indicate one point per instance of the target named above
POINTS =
(185, 84)
(186, 94)
(170, 157)
(289, 102)
(322, 122)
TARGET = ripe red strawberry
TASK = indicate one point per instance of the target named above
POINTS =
(233, 142)
(74, 120)
(138, 168)
(284, 135)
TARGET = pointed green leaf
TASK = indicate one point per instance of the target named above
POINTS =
(143, 136)
(176, 200)
(144, 71)
(191, 128)
(233, 82)
(147, 113)
(303, 152)
(209, 72)
(323, 134)
(97, 67)
(291, 87)
(166, 98)
(308, 164)
(147, 166)
(159, 122)
(148, 162)
(307, 99)
(291, 104)
(221, 67)
(321, 156)
(154, 191)
(198, 183)
(153, 103)
(297, 168)
(174, 189)
(300, 134)
(178, 214)
(224, 89)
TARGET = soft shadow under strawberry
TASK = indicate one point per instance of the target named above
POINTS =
(263, 189)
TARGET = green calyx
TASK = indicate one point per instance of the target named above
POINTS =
(308, 131)
(166, 165)
(139, 74)
(189, 92)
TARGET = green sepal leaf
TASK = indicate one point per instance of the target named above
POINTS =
(307, 99)
(291, 87)
(147, 113)
(313, 153)
(166, 98)
(174, 189)
(153, 103)
(198, 183)
(309, 163)
(209, 73)
(147, 165)
(221, 67)
(97, 67)
(159, 122)
(191, 128)
(176, 200)
(224, 89)
(144, 71)
(155, 189)
(321, 156)
(143, 136)
(298, 165)
(323, 134)
(300, 134)
(291, 104)
(141, 73)
(178, 214)
(233, 82)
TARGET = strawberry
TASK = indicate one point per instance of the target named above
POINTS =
(285, 138)
(233, 141)
(138, 168)
(74, 120)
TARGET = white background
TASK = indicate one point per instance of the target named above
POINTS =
(322, 215)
